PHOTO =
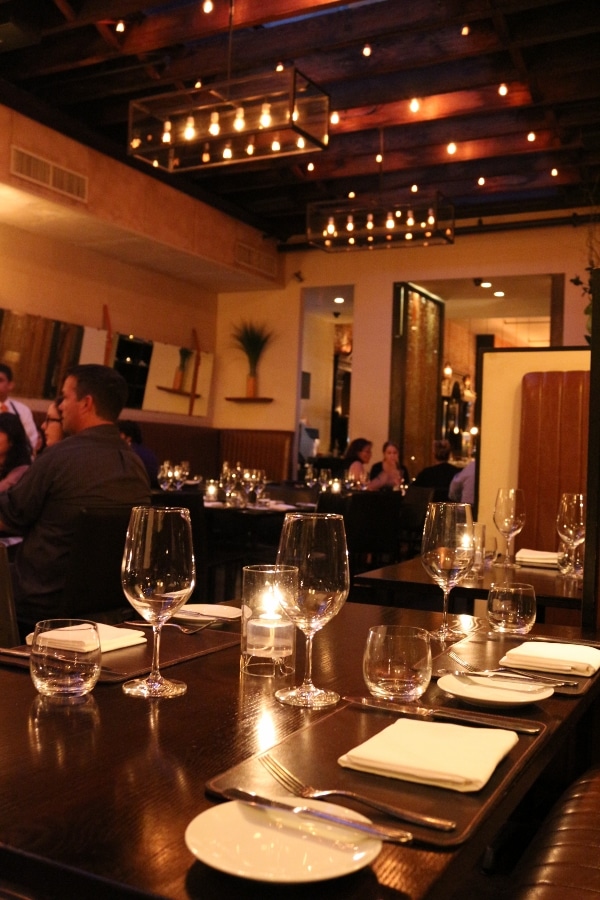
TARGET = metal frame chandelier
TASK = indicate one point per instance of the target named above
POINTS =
(278, 114)
(367, 225)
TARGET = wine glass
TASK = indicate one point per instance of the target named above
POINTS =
(447, 552)
(316, 544)
(158, 575)
(570, 524)
(509, 518)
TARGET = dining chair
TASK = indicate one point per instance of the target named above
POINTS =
(9, 633)
(372, 520)
(93, 581)
(412, 519)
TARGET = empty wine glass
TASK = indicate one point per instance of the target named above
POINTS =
(570, 524)
(509, 519)
(447, 552)
(316, 544)
(158, 576)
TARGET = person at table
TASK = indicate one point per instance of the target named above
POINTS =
(131, 433)
(357, 460)
(91, 468)
(462, 486)
(440, 474)
(52, 429)
(15, 451)
(8, 405)
(389, 474)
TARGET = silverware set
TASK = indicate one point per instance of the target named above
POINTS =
(509, 673)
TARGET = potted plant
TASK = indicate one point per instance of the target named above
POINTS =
(252, 338)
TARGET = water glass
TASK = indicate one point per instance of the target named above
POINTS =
(397, 662)
(478, 566)
(268, 635)
(65, 657)
(511, 608)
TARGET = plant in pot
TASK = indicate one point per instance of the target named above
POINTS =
(253, 339)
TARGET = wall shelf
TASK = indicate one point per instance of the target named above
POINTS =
(249, 399)
(179, 393)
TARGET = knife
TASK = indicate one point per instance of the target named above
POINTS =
(450, 715)
(392, 835)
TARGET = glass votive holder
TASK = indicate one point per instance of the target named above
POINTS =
(65, 657)
(211, 490)
(268, 645)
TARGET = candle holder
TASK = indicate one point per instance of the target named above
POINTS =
(268, 645)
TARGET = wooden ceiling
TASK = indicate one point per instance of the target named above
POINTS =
(63, 63)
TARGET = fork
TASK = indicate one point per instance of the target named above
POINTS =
(504, 670)
(293, 784)
(186, 629)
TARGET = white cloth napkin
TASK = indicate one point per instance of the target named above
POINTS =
(450, 756)
(544, 559)
(111, 638)
(554, 657)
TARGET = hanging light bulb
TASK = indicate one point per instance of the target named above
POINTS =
(410, 218)
(166, 135)
(250, 147)
(207, 6)
(275, 145)
(334, 118)
(431, 216)
(370, 221)
(227, 152)
(120, 26)
(350, 223)
(189, 132)
(265, 115)
(300, 143)
(389, 222)
(296, 113)
(239, 123)
(414, 105)
(206, 154)
(330, 225)
(214, 128)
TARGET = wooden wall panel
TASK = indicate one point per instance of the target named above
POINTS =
(552, 450)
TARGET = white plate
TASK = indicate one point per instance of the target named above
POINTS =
(479, 692)
(276, 846)
(196, 612)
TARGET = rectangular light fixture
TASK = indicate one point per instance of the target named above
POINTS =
(239, 121)
(366, 225)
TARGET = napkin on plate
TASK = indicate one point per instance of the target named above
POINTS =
(554, 657)
(543, 559)
(456, 757)
(111, 638)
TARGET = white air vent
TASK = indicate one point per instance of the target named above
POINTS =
(255, 259)
(48, 174)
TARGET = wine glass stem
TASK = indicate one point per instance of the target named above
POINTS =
(155, 677)
(307, 682)
(509, 550)
(445, 629)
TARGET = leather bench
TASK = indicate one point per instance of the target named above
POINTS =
(563, 860)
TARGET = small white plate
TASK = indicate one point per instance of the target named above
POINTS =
(276, 846)
(196, 612)
(479, 692)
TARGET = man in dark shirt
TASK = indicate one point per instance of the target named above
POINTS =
(91, 468)
(439, 475)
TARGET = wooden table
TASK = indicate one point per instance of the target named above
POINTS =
(408, 583)
(95, 800)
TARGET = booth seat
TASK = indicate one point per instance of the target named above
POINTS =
(207, 448)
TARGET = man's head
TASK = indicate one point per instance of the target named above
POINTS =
(6, 381)
(442, 450)
(91, 395)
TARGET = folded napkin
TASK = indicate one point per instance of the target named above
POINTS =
(456, 757)
(111, 638)
(542, 558)
(551, 657)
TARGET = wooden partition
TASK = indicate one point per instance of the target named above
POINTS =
(553, 449)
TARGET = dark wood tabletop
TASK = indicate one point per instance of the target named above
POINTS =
(551, 588)
(96, 798)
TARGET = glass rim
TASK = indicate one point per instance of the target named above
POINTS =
(513, 585)
(271, 568)
(416, 630)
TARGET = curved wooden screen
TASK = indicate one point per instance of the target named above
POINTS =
(553, 449)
